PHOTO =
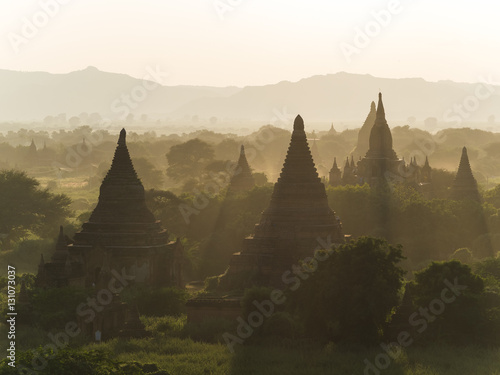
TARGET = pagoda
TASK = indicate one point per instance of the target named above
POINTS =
(242, 179)
(364, 133)
(465, 185)
(122, 235)
(335, 175)
(380, 162)
(298, 216)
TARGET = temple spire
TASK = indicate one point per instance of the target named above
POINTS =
(122, 193)
(299, 165)
(242, 179)
(465, 185)
(364, 133)
(380, 136)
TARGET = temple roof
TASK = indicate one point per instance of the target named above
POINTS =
(364, 133)
(242, 179)
(380, 136)
(335, 166)
(299, 199)
(465, 185)
(121, 215)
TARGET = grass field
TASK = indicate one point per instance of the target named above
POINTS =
(183, 356)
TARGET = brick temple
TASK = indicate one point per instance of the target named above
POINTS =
(121, 233)
(297, 216)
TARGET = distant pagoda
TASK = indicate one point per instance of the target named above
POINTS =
(335, 175)
(381, 163)
(465, 185)
(297, 216)
(242, 179)
(121, 233)
(364, 133)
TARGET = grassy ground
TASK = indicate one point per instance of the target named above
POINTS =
(183, 356)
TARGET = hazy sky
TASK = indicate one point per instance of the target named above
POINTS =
(253, 42)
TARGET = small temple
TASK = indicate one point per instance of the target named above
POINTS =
(242, 179)
(335, 175)
(297, 216)
(465, 185)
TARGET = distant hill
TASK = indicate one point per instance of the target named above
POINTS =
(326, 98)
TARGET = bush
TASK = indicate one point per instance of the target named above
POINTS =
(350, 296)
(463, 319)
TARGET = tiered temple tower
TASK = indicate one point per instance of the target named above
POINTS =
(121, 233)
(380, 162)
(242, 179)
(364, 133)
(298, 215)
(335, 175)
(465, 185)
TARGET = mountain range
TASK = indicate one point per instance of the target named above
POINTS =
(29, 96)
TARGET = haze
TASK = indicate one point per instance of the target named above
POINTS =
(256, 42)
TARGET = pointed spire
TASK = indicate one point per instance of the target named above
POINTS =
(465, 185)
(242, 179)
(380, 136)
(122, 139)
(298, 124)
(299, 165)
(347, 164)
(352, 162)
(364, 133)
(426, 164)
(335, 175)
(380, 109)
(121, 195)
(122, 168)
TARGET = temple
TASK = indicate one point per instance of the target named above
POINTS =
(380, 162)
(465, 185)
(335, 175)
(364, 133)
(242, 179)
(121, 235)
(297, 216)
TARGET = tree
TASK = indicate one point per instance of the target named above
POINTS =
(149, 175)
(24, 207)
(188, 159)
(462, 318)
(350, 296)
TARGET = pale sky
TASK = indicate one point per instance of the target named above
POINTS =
(254, 42)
